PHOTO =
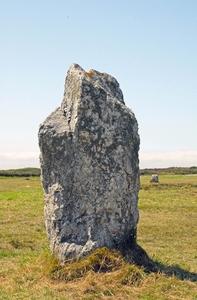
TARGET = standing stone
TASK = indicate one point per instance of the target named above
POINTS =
(89, 162)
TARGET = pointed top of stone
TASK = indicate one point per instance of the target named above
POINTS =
(102, 80)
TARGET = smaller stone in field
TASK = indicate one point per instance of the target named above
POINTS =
(154, 178)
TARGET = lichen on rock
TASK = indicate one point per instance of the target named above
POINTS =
(89, 162)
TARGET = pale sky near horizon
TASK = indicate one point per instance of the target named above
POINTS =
(149, 46)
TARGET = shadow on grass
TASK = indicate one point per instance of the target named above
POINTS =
(175, 271)
(133, 253)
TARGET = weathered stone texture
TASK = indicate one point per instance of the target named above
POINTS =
(89, 162)
(154, 178)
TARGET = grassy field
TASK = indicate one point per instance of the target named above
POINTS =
(167, 230)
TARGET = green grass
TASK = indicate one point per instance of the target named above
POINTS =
(167, 230)
(168, 213)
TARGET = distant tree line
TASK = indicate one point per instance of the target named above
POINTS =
(171, 170)
(25, 172)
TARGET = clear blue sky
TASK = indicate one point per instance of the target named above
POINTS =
(149, 46)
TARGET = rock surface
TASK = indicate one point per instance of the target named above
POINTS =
(154, 178)
(89, 162)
